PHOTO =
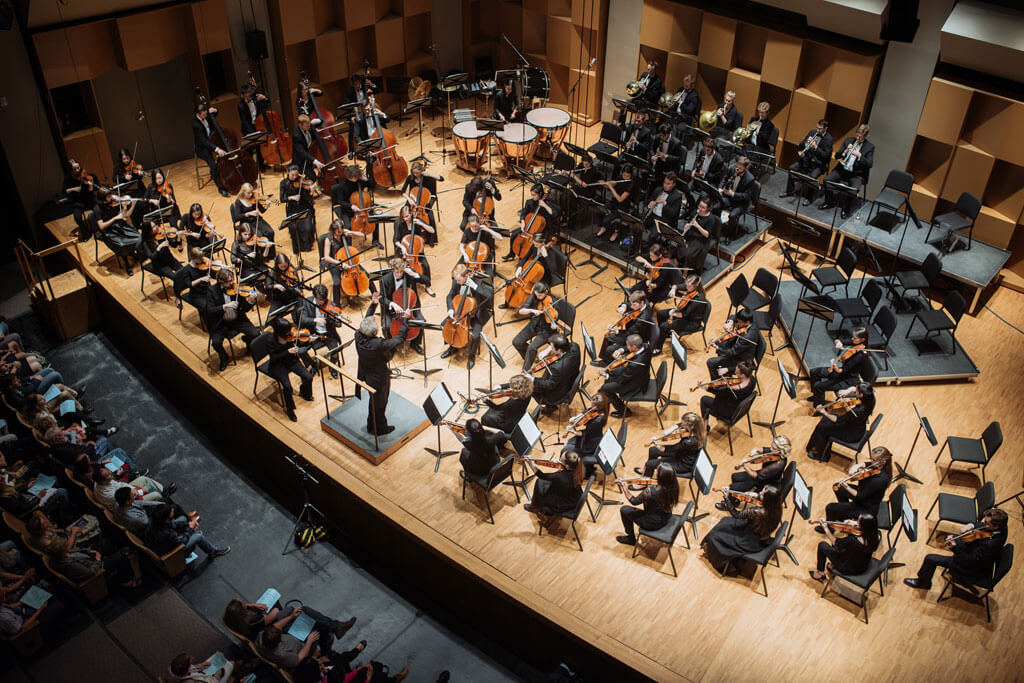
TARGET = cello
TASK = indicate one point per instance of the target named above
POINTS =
(362, 198)
(412, 245)
(456, 331)
(354, 280)
(478, 256)
(279, 142)
(326, 150)
(407, 300)
(234, 168)
(522, 242)
(518, 291)
(420, 201)
(389, 169)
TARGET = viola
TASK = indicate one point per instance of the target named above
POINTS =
(975, 534)
(160, 232)
(300, 336)
(674, 436)
(203, 225)
(492, 395)
(518, 291)
(683, 302)
(389, 169)
(362, 198)
(457, 329)
(244, 291)
(88, 180)
(865, 471)
(406, 298)
(546, 462)
(261, 242)
(738, 330)
(132, 168)
(279, 143)
(354, 280)
(745, 496)
(840, 405)
(624, 322)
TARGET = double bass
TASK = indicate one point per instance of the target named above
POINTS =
(389, 169)
(234, 168)
(329, 147)
(279, 142)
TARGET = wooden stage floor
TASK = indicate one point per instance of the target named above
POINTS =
(698, 626)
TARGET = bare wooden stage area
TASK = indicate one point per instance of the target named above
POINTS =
(698, 626)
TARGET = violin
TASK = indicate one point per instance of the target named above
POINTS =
(975, 534)
(261, 242)
(682, 303)
(244, 291)
(763, 458)
(493, 396)
(300, 336)
(362, 198)
(166, 191)
(389, 169)
(729, 381)
(456, 331)
(542, 364)
(354, 280)
(533, 224)
(840, 406)
(624, 322)
(620, 361)
(132, 168)
(578, 422)
(161, 233)
(637, 481)
(838, 527)
(87, 180)
(330, 145)
(459, 430)
(865, 471)
(279, 143)
(738, 330)
(745, 496)
(208, 265)
(263, 201)
(519, 289)
(674, 436)
(203, 225)
(546, 462)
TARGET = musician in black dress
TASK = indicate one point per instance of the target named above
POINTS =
(552, 384)
(481, 449)
(400, 277)
(727, 117)
(128, 175)
(627, 374)
(559, 491)
(352, 186)
(157, 252)
(741, 344)
(814, 155)
(245, 209)
(636, 319)
(663, 206)
(771, 465)
(286, 357)
(79, 188)
(160, 195)
(727, 394)
(205, 148)
(246, 255)
(410, 188)
(850, 554)
(506, 104)
(473, 198)
(198, 228)
(708, 164)
(587, 178)
(540, 326)
(651, 86)
(317, 317)
(744, 531)
(737, 190)
(476, 234)
(282, 283)
(846, 426)
(864, 495)
(972, 561)
(535, 205)
(374, 355)
(298, 198)
(330, 243)
(657, 501)
(679, 455)
(623, 194)
(507, 414)
(226, 314)
(843, 371)
(304, 101)
(585, 439)
(856, 156)
(115, 227)
(686, 315)
(482, 294)
(303, 142)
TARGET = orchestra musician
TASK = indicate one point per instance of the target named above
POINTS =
(843, 371)
(483, 295)
(850, 554)
(198, 228)
(329, 244)
(552, 385)
(317, 317)
(298, 198)
(650, 84)
(507, 414)
(374, 356)
(251, 105)
(359, 90)
(624, 194)
(856, 156)
(737, 190)
(638, 134)
(400, 276)
(814, 155)
(585, 441)
(476, 230)
(79, 187)
(476, 189)
(304, 103)
(205, 149)
(418, 170)
(728, 392)
(863, 496)
(686, 108)
(727, 117)
(846, 426)
(665, 151)
(160, 195)
(680, 456)
(549, 257)
(559, 491)
(355, 181)
(114, 221)
(763, 130)
(402, 227)
(630, 377)
(587, 177)
(302, 148)
(687, 319)
(741, 344)
(506, 104)
(157, 252)
(743, 531)
(697, 234)
(363, 127)
(539, 328)
(246, 255)
(663, 205)
(246, 210)
(768, 473)
(973, 559)
(637, 319)
(708, 164)
(286, 356)
(192, 281)
(481, 449)
(657, 501)
(128, 175)
(657, 288)
(225, 314)
(282, 282)
(535, 204)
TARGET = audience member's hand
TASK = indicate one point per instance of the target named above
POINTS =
(313, 636)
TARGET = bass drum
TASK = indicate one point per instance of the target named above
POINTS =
(536, 83)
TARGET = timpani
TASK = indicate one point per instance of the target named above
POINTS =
(517, 143)
(552, 125)
(471, 145)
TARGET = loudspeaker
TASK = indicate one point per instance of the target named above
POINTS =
(902, 22)
(256, 44)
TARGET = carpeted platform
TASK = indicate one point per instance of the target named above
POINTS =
(90, 657)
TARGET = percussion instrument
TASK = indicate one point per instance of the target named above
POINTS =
(517, 143)
(552, 125)
(470, 146)
(536, 83)
(462, 115)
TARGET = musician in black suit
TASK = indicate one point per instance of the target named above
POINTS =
(374, 355)
(687, 106)
(737, 348)
(400, 276)
(847, 426)
(683, 318)
(506, 104)
(205, 149)
(286, 356)
(864, 495)
(856, 156)
(359, 89)
(651, 86)
(226, 314)
(663, 205)
(411, 188)
(815, 153)
(365, 126)
(737, 190)
(298, 198)
(841, 375)
(483, 295)
(764, 130)
(355, 181)
(972, 560)
(556, 380)
(628, 378)
(709, 164)
(640, 322)
(303, 141)
(638, 134)
(507, 414)
(250, 106)
(698, 233)
(539, 328)
(727, 117)
(316, 317)
(664, 151)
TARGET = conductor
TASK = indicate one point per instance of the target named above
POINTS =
(374, 355)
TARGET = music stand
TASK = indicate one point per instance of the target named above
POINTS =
(448, 85)
(802, 497)
(418, 106)
(841, 188)
(574, 149)
(708, 189)
(908, 522)
(436, 406)
(635, 226)
(926, 427)
(255, 139)
(591, 203)
(159, 216)
(609, 454)
(493, 356)
(786, 382)
(424, 326)
(704, 474)
(805, 182)
(525, 435)
(678, 360)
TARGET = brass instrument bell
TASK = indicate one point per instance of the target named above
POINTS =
(707, 120)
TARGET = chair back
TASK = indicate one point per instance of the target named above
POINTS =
(955, 306)
(992, 437)
(985, 498)
(901, 181)
(755, 195)
(561, 263)
(870, 432)
(1003, 564)
(847, 261)
(500, 472)
(611, 133)
(767, 282)
(788, 480)
(894, 506)
(743, 408)
(566, 314)
(885, 320)
(872, 294)
(260, 347)
(567, 399)
(660, 379)
(738, 290)
(759, 350)
(868, 373)
(762, 556)
(968, 205)
(774, 310)
(581, 501)
(620, 436)
(931, 267)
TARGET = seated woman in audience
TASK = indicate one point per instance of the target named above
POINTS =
(559, 491)
(15, 617)
(53, 501)
(681, 455)
(167, 531)
(849, 554)
(16, 390)
(6, 334)
(42, 531)
(66, 445)
(331, 667)
(657, 500)
(81, 565)
(745, 531)
(249, 618)
(105, 486)
(481, 448)
(770, 462)
(184, 669)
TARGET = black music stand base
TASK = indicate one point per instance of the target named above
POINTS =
(439, 453)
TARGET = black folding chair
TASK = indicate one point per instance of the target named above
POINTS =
(980, 590)
(974, 452)
(501, 471)
(667, 534)
(945, 319)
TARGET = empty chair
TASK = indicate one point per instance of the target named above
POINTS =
(611, 138)
(652, 392)
(945, 319)
(738, 290)
(893, 196)
(981, 589)
(864, 581)
(764, 289)
(962, 509)
(974, 452)
(861, 307)
(501, 471)
(838, 274)
(767, 320)
(882, 330)
(919, 280)
(964, 214)
(667, 534)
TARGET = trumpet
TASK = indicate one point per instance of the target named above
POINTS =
(809, 143)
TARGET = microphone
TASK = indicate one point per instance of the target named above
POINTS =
(592, 62)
